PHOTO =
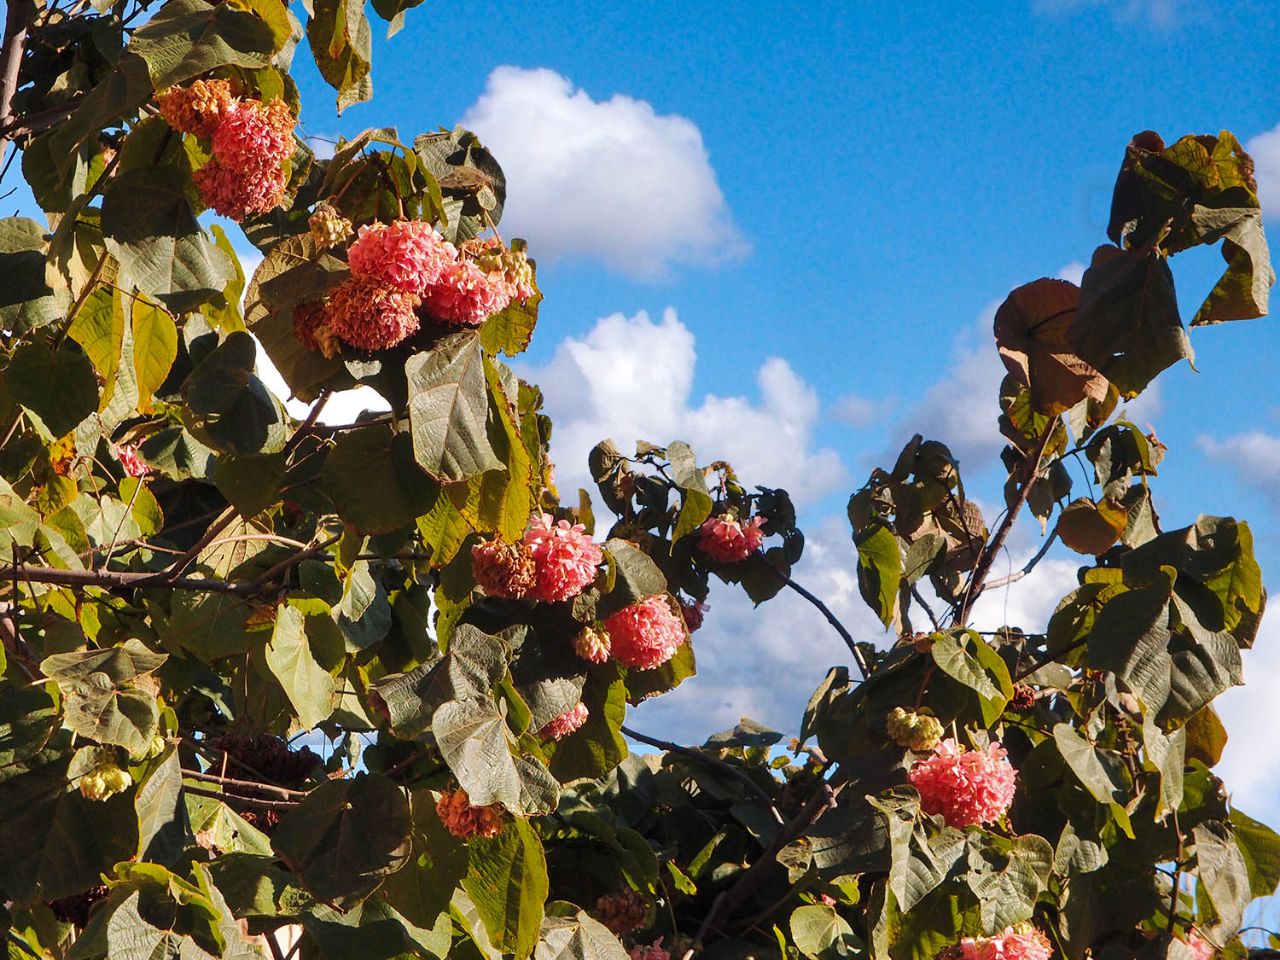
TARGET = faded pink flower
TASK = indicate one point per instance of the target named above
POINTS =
(197, 109)
(465, 295)
(254, 136)
(694, 613)
(236, 194)
(592, 645)
(653, 951)
(1201, 949)
(725, 539)
(566, 723)
(406, 254)
(566, 557)
(465, 821)
(369, 315)
(967, 787)
(131, 460)
(503, 569)
(645, 635)
(1010, 945)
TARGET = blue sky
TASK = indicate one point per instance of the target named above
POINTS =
(817, 210)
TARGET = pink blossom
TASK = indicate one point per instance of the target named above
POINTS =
(464, 295)
(254, 136)
(131, 460)
(566, 558)
(645, 635)
(369, 315)
(236, 194)
(967, 787)
(406, 254)
(694, 613)
(1201, 949)
(1010, 945)
(727, 540)
(566, 723)
(653, 951)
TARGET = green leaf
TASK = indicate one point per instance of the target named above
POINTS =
(471, 182)
(643, 684)
(1099, 773)
(1242, 291)
(1008, 879)
(1222, 870)
(635, 577)
(345, 836)
(250, 484)
(28, 718)
(109, 696)
(374, 482)
(879, 571)
(507, 881)
(510, 330)
(228, 407)
(1091, 528)
(598, 746)
(437, 864)
(308, 686)
(341, 42)
(163, 828)
(449, 408)
(695, 502)
(579, 937)
(33, 368)
(99, 329)
(985, 674)
(1127, 325)
(150, 229)
(818, 930)
(188, 38)
(1260, 847)
(155, 347)
(26, 302)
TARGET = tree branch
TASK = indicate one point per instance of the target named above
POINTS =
(703, 757)
(1029, 468)
(236, 798)
(115, 578)
(245, 784)
(16, 21)
(1030, 564)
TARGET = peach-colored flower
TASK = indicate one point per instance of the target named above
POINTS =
(370, 315)
(254, 136)
(465, 295)
(1201, 949)
(465, 821)
(725, 539)
(406, 254)
(236, 194)
(197, 109)
(565, 724)
(566, 558)
(1030, 944)
(645, 635)
(503, 569)
(967, 787)
(592, 644)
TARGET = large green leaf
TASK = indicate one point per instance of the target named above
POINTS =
(1008, 878)
(26, 302)
(341, 42)
(879, 571)
(32, 371)
(109, 696)
(188, 38)
(1222, 870)
(1260, 847)
(228, 407)
(308, 686)
(150, 229)
(1127, 325)
(155, 347)
(345, 836)
(579, 937)
(1242, 291)
(449, 409)
(28, 717)
(164, 830)
(374, 482)
(437, 864)
(507, 881)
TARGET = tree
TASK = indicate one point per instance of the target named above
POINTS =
(194, 579)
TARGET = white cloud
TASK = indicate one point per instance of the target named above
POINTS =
(631, 379)
(1265, 150)
(856, 411)
(1251, 764)
(1157, 13)
(610, 179)
(1253, 457)
(1073, 272)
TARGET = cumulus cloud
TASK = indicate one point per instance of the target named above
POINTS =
(857, 411)
(609, 179)
(1253, 457)
(1251, 764)
(631, 379)
(1265, 150)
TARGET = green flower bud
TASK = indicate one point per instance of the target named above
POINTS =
(106, 781)
(916, 731)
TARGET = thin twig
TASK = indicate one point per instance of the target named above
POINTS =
(289, 562)
(114, 578)
(247, 801)
(1028, 567)
(915, 593)
(248, 784)
(712, 761)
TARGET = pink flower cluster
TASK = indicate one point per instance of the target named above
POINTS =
(652, 951)
(399, 267)
(463, 820)
(1200, 948)
(645, 635)
(250, 140)
(725, 539)
(566, 723)
(566, 558)
(967, 787)
(1010, 945)
(131, 460)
